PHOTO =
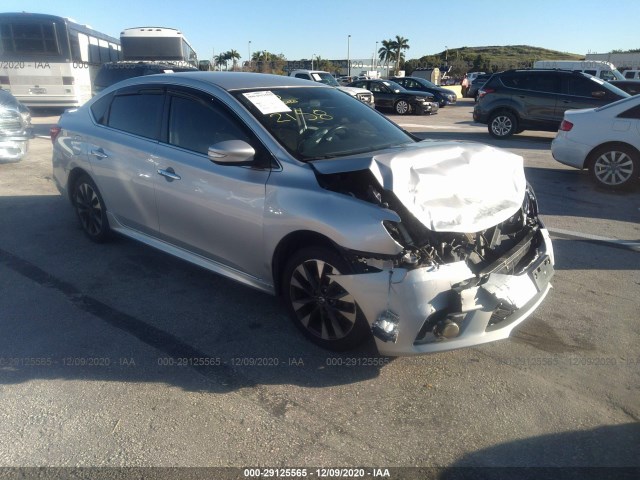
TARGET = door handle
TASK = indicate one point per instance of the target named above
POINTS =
(99, 153)
(169, 174)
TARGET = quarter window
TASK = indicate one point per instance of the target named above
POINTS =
(631, 113)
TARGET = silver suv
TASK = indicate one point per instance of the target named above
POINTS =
(15, 127)
(294, 188)
(361, 94)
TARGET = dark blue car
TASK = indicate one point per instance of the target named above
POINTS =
(442, 95)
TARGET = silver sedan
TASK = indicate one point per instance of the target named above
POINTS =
(299, 190)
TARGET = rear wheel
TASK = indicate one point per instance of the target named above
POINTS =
(90, 209)
(325, 311)
(614, 166)
(402, 107)
(502, 124)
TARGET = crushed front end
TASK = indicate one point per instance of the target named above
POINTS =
(446, 290)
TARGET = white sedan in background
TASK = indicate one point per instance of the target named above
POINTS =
(605, 140)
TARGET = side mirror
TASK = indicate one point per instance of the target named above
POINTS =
(232, 152)
(598, 94)
(396, 90)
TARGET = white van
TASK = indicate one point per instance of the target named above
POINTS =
(604, 70)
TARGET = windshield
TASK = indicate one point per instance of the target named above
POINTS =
(427, 83)
(612, 88)
(316, 123)
(394, 86)
(630, 99)
(326, 78)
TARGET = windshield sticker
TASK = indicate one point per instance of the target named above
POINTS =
(267, 102)
(316, 77)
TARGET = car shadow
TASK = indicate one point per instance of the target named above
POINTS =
(610, 451)
(122, 311)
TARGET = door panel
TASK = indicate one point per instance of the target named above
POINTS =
(122, 158)
(215, 210)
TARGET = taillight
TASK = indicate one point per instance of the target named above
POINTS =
(54, 132)
(485, 91)
(68, 80)
(565, 126)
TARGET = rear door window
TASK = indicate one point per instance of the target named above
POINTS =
(580, 86)
(137, 113)
(535, 82)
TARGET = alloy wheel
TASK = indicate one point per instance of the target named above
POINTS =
(402, 107)
(502, 125)
(90, 209)
(613, 168)
(323, 307)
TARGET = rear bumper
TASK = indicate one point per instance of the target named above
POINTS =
(480, 116)
(568, 152)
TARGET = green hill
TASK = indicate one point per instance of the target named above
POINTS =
(488, 59)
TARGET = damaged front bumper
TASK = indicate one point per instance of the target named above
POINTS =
(438, 308)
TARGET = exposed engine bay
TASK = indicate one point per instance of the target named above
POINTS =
(503, 248)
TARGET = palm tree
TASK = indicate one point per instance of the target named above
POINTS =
(398, 45)
(234, 56)
(221, 60)
(385, 53)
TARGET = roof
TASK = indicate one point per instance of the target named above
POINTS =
(240, 80)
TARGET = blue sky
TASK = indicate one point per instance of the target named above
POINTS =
(301, 28)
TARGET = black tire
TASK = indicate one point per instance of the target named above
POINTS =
(502, 124)
(320, 307)
(90, 209)
(402, 107)
(614, 167)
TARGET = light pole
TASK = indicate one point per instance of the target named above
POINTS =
(249, 54)
(348, 56)
(375, 58)
(446, 55)
(312, 55)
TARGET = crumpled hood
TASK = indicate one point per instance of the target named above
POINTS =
(458, 187)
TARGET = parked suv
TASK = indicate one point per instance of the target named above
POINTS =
(476, 85)
(517, 100)
(114, 72)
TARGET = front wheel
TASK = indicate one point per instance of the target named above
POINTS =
(402, 107)
(615, 166)
(502, 124)
(325, 311)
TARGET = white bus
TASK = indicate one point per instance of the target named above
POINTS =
(157, 44)
(50, 61)
(604, 70)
